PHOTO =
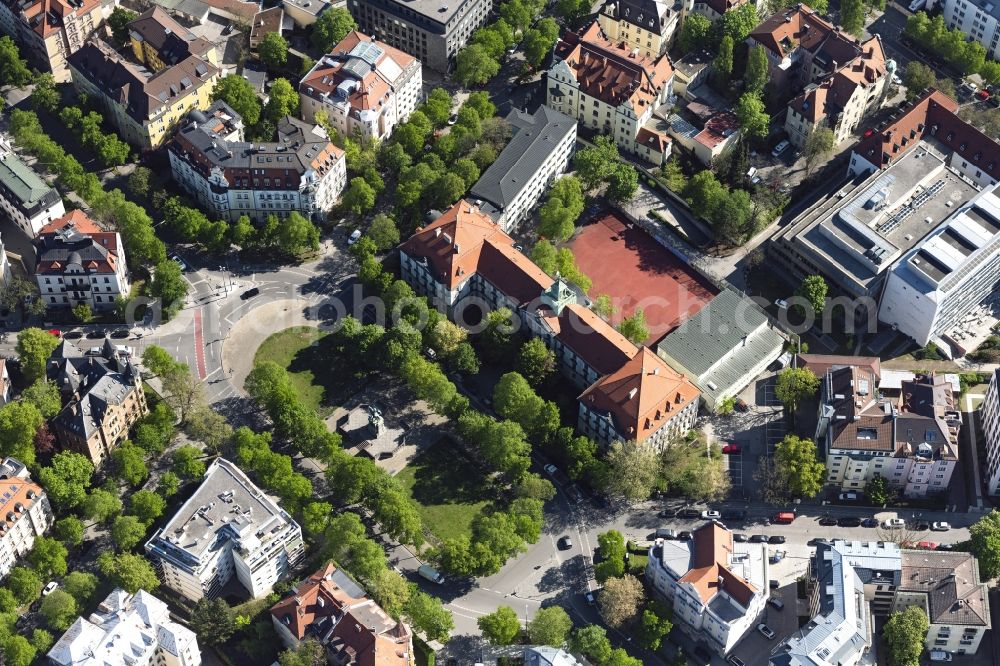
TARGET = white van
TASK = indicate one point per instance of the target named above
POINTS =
(917, 5)
(780, 148)
(940, 655)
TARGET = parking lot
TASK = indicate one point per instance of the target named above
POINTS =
(734, 465)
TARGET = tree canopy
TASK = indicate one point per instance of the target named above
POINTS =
(798, 462)
(904, 635)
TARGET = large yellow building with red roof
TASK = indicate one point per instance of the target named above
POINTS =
(468, 266)
(50, 30)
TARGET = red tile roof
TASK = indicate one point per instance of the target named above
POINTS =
(710, 574)
(17, 496)
(46, 17)
(834, 92)
(934, 114)
(820, 364)
(719, 127)
(652, 139)
(642, 395)
(597, 342)
(98, 249)
(803, 27)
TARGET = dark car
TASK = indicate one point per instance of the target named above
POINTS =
(73, 335)
(773, 584)
(945, 546)
(827, 521)
(815, 541)
(758, 538)
(734, 514)
(689, 513)
(249, 293)
(97, 333)
(685, 536)
(120, 333)
(869, 522)
(565, 543)
(921, 526)
(740, 538)
(849, 521)
(668, 513)
(777, 538)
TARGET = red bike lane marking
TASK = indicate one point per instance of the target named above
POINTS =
(199, 345)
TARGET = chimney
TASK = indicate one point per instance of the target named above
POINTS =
(437, 232)
(631, 394)
(656, 371)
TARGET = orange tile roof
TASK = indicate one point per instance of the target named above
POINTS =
(834, 92)
(717, 129)
(712, 546)
(802, 27)
(100, 247)
(613, 73)
(596, 341)
(14, 493)
(46, 17)
(77, 218)
(642, 395)
(653, 139)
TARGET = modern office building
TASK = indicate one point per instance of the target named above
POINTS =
(227, 528)
(609, 88)
(538, 152)
(302, 171)
(989, 414)
(331, 608)
(466, 263)
(979, 20)
(25, 513)
(723, 347)
(146, 99)
(431, 31)
(127, 630)
(25, 198)
(77, 263)
(50, 30)
(934, 286)
(365, 87)
(647, 25)
(718, 587)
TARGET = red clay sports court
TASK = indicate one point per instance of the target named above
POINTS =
(634, 270)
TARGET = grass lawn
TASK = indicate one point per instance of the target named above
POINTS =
(292, 349)
(449, 490)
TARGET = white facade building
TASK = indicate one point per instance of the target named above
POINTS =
(365, 87)
(941, 280)
(25, 512)
(977, 19)
(25, 198)
(989, 414)
(127, 630)
(718, 587)
(538, 152)
(229, 527)
(302, 171)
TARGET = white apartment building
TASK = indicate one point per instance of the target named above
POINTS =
(24, 512)
(538, 152)
(717, 587)
(978, 20)
(127, 630)
(935, 286)
(78, 263)
(612, 89)
(365, 87)
(229, 527)
(989, 414)
(302, 171)
(26, 199)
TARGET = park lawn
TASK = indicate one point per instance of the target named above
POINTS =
(288, 348)
(448, 489)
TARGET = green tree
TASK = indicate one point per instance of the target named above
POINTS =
(550, 626)
(45, 96)
(538, 41)
(168, 284)
(82, 585)
(722, 66)
(985, 544)
(634, 470)
(273, 50)
(118, 21)
(129, 464)
(798, 462)
(44, 395)
(213, 621)
(383, 232)
(169, 484)
(128, 571)
(127, 532)
(34, 346)
(739, 22)
(360, 197)
(514, 399)
(159, 361)
(592, 640)
(752, 117)
(187, 462)
(622, 182)
(48, 557)
(66, 479)
(238, 93)
(19, 423)
(814, 290)
(428, 615)
(18, 651)
(25, 584)
(437, 107)
(571, 10)
(41, 640)
(13, 69)
(917, 78)
(877, 490)
(283, 100)
(207, 425)
(474, 66)
(794, 385)
(654, 625)
(59, 610)
(69, 530)
(501, 627)
(819, 146)
(102, 506)
(757, 72)
(140, 182)
(536, 362)
(612, 564)
(620, 600)
(562, 208)
(852, 16)
(595, 164)
(331, 27)
(695, 34)
(634, 327)
(904, 635)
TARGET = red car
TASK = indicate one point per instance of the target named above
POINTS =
(983, 94)
(869, 132)
(56, 332)
(733, 449)
(926, 545)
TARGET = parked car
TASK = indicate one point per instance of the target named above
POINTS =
(702, 655)
(734, 514)
(73, 335)
(711, 515)
(574, 494)
(894, 524)
(50, 588)
(917, 5)
(780, 148)
(776, 602)
(551, 469)
(926, 545)
(828, 521)
(921, 526)
(983, 95)
(120, 333)
(97, 333)
(869, 522)
(736, 661)
(940, 527)
(684, 536)
(848, 497)
(731, 449)
(453, 118)
(777, 557)
(666, 533)
(758, 538)
(939, 655)
(815, 541)
(739, 537)
(781, 303)
(688, 513)
(849, 521)
(765, 631)
(565, 543)
(946, 546)
(430, 573)
(776, 538)
(590, 598)
(773, 584)
(176, 258)
(741, 405)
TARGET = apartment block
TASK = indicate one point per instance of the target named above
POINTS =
(49, 31)
(27, 200)
(718, 587)
(302, 171)
(613, 89)
(464, 262)
(989, 415)
(364, 87)
(979, 20)
(102, 397)
(428, 30)
(538, 152)
(228, 528)
(25, 513)
(127, 630)
(78, 263)
(647, 25)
